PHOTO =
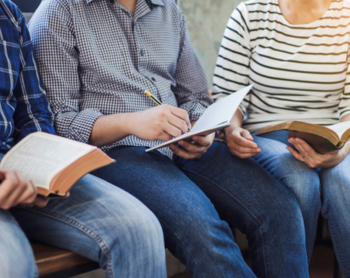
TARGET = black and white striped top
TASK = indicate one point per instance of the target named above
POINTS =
(298, 72)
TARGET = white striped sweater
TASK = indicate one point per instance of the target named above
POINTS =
(298, 72)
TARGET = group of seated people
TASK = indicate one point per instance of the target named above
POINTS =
(81, 71)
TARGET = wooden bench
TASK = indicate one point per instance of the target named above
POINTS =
(58, 263)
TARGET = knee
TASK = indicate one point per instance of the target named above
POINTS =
(16, 256)
(196, 226)
(335, 190)
(17, 262)
(141, 228)
(303, 181)
(286, 212)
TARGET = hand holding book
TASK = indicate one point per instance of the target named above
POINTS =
(217, 116)
(318, 146)
(195, 149)
(53, 163)
(305, 153)
(15, 190)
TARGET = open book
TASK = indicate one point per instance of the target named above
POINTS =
(322, 139)
(53, 163)
(215, 117)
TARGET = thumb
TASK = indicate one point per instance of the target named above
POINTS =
(246, 134)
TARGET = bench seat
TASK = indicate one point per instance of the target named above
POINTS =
(54, 262)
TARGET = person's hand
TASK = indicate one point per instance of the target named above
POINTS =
(311, 158)
(240, 142)
(194, 149)
(14, 190)
(160, 123)
(40, 201)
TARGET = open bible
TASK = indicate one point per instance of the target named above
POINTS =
(321, 138)
(53, 163)
(217, 116)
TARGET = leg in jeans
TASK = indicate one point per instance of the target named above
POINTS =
(103, 223)
(193, 230)
(249, 198)
(335, 184)
(296, 175)
(16, 255)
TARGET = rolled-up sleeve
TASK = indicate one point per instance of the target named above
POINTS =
(57, 58)
(191, 89)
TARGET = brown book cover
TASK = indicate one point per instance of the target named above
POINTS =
(53, 163)
(321, 138)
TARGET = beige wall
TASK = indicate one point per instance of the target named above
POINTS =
(206, 21)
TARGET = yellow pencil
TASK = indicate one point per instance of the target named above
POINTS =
(157, 101)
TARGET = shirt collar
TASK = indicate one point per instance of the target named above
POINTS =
(158, 2)
(155, 2)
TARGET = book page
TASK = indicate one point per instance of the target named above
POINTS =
(215, 117)
(40, 156)
(340, 128)
(221, 111)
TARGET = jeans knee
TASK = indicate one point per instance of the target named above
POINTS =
(335, 192)
(288, 215)
(16, 256)
(142, 227)
(305, 184)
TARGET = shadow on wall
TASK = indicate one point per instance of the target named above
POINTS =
(206, 21)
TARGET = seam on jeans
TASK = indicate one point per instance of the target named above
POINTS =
(256, 218)
(337, 250)
(313, 241)
(184, 246)
(78, 226)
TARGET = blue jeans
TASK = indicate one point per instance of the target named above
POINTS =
(98, 221)
(199, 201)
(325, 190)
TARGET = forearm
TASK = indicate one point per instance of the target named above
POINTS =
(346, 148)
(345, 118)
(236, 121)
(111, 128)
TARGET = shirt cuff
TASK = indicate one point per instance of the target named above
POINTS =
(196, 111)
(81, 127)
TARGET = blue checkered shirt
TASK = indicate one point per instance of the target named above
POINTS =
(97, 58)
(23, 105)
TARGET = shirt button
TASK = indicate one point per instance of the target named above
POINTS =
(153, 79)
(142, 52)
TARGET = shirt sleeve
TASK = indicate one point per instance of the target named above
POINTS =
(344, 105)
(191, 88)
(58, 60)
(33, 112)
(232, 68)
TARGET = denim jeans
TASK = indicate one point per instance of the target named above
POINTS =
(199, 201)
(325, 190)
(98, 221)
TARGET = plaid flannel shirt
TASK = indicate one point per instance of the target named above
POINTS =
(23, 105)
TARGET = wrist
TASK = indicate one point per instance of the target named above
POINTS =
(228, 130)
(130, 123)
(345, 150)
